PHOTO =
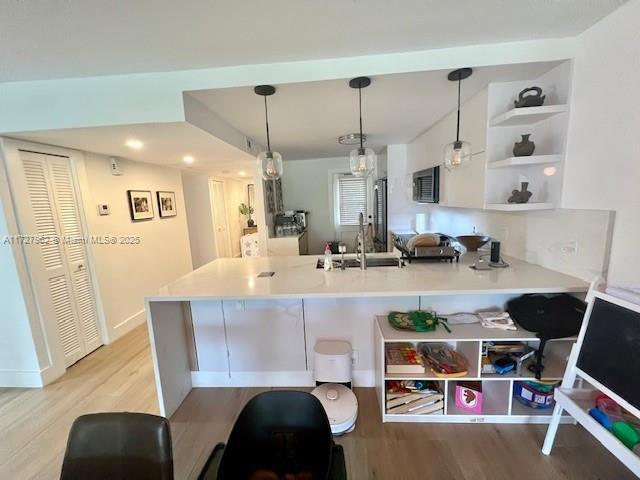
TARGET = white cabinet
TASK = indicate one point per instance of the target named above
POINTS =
(265, 336)
(209, 337)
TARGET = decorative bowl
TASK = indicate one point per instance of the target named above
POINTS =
(472, 242)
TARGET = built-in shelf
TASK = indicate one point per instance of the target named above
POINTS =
(527, 115)
(523, 161)
(520, 207)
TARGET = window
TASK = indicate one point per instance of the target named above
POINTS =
(351, 199)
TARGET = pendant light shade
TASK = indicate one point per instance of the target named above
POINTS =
(269, 162)
(362, 161)
(458, 152)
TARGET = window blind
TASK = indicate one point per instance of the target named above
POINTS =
(352, 199)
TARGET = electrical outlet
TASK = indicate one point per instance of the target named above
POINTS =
(570, 248)
(355, 356)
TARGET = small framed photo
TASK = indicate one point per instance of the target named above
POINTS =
(140, 204)
(167, 204)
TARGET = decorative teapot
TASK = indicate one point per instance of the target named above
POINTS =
(532, 100)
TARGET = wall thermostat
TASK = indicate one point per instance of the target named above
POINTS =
(115, 166)
(103, 209)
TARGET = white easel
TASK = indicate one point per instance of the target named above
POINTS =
(577, 401)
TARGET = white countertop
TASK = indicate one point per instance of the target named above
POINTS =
(297, 277)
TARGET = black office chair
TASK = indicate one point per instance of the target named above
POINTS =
(123, 446)
(279, 435)
(549, 316)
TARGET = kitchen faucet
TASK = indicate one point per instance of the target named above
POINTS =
(361, 245)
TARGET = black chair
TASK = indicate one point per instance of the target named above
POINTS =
(122, 446)
(280, 435)
(549, 316)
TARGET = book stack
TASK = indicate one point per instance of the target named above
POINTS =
(403, 358)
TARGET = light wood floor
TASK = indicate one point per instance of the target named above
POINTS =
(34, 424)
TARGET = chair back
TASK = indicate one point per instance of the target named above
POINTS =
(123, 445)
(286, 433)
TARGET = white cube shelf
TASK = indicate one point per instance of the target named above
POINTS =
(498, 401)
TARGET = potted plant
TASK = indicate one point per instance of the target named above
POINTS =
(247, 211)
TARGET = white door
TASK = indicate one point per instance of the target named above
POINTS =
(56, 253)
(220, 227)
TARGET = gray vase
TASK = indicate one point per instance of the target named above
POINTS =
(525, 147)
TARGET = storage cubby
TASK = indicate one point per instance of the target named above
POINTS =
(469, 349)
(556, 356)
(499, 406)
(495, 399)
(414, 409)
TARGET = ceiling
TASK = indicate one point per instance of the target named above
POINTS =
(164, 144)
(42, 39)
(306, 119)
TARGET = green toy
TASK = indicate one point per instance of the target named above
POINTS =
(417, 321)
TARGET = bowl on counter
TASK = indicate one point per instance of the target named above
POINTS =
(473, 242)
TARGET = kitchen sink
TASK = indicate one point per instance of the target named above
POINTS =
(371, 262)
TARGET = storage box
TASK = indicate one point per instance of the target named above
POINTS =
(468, 396)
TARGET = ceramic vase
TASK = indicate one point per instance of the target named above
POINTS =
(520, 196)
(533, 99)
(524, 147)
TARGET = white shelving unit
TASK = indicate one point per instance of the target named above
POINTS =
(520, 207)
(498, 401)
(523, 161)
(547, 126)
(528, 115)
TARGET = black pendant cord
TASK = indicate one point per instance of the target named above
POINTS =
(266, 121)
(458, 124)
(360, 106)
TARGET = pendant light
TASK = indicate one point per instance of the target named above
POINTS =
(458, 152)
(362, 161)
(269, 162)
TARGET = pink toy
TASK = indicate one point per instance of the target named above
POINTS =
(469, 396)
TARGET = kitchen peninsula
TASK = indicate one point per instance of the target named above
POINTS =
(254, 321)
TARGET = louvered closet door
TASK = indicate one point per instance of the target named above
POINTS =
(59, 270)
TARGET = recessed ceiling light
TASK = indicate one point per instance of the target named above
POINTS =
(134, 143)
(550, 171)
(242, 173)
(188, 159)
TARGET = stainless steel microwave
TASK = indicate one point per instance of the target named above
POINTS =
(426, 185)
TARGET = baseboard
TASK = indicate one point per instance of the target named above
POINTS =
(127, 325)
(21, 378)
(297, 378)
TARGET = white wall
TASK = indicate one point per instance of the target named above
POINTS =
(306, 186)
(198, 199)
(128, 273)
(197, 202)
(18, 360)
(603, 154)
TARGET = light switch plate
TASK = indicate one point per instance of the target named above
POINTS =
(103, 209)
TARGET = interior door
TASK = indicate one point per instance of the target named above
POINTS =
(220, 225)
(55, 250)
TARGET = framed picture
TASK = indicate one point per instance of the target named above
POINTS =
(167, 204)
(140, 204)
